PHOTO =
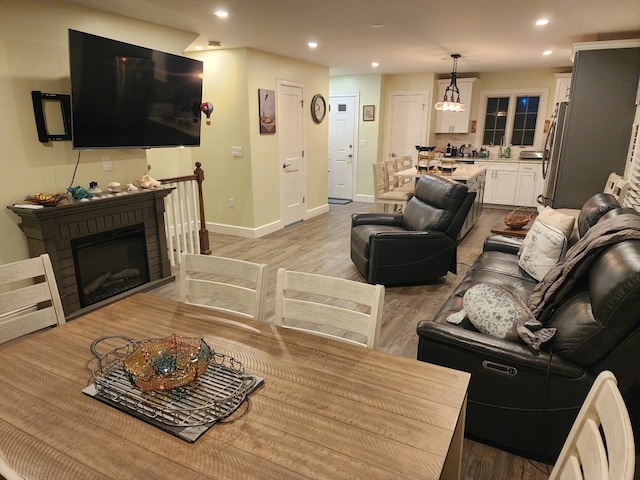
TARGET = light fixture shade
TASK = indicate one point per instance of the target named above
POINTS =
(452, 103)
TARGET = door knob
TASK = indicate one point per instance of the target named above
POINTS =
(350, 156)
(285, 165)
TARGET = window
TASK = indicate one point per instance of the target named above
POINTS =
(512, 115)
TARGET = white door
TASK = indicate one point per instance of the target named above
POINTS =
(342, 136)
(406, 123)
(293, 185)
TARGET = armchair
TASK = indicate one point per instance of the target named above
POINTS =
(418, 245)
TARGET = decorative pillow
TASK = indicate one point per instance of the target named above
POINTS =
(494, 310)
(542, 248)
(558, 219)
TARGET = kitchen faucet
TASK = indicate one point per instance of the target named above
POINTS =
(501, 150)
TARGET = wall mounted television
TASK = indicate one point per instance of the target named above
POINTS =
(127, 96)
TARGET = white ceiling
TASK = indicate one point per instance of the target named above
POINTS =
(417, 36)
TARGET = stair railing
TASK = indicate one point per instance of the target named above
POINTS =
(185, 223)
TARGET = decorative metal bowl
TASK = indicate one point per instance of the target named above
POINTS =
(159, 365)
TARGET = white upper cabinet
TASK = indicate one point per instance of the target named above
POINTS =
(454, 122)
(563, 86)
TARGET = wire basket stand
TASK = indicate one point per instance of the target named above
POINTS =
(213, 396)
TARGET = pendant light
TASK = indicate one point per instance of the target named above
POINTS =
(452, 103)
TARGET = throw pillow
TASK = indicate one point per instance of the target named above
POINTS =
(542, 248)
(558, 219)
(494, 310)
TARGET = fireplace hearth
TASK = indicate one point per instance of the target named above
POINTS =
(102, 249)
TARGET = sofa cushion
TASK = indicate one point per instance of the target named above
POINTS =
(542, 248)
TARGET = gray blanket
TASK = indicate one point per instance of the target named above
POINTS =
(606, 232)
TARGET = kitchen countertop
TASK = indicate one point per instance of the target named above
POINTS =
(463, 172)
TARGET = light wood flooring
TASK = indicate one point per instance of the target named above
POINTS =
(321, 245)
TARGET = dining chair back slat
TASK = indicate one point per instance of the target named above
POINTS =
(382, 195)
(224, 284)
(600, 443)
(30, 299)
(331, 307)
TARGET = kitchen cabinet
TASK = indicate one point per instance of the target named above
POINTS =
(474, 184)
(563, 86)
(501, 182)
(454, 122)
(512, 183)
(528, 184)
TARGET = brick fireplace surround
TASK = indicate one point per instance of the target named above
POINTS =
(52, 229)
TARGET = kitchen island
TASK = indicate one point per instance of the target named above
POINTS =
(473, 176)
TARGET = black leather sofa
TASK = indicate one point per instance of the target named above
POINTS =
(526, 402)
(415, 247)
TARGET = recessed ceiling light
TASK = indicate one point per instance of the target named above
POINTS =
(541, 21)
(547, 52)
(198, 47)
(375, 64)
(313, 44)
(221, 13)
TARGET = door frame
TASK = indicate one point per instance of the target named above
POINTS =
(356, 136)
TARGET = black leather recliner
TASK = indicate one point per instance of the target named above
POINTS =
(526, 402)
(415, 247)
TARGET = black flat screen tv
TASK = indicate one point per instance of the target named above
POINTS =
(127, 96)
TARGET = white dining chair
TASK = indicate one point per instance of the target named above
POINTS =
(328, 306)
(600, 444)
(30, 299)
(382, 195)
(224, 284)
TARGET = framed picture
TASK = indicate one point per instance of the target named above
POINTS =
(267, 110)
(368, 113)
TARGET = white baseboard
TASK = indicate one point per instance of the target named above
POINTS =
(263, 230)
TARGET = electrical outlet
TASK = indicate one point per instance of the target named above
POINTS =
(232, 203)
(106, 164)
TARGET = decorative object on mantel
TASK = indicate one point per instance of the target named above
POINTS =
(146, 181)
(113, 187)
(46, 199)
(452, 104)
(94, 189)
(79, 193)
(519, 217)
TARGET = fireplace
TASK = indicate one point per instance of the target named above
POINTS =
(102, 249)
(110, 263)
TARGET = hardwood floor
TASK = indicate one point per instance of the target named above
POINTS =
(321, 245)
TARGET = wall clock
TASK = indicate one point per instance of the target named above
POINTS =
(318, 108)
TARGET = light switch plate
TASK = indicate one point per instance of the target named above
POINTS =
(236, 152)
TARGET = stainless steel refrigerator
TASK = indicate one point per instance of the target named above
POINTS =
(589, 136)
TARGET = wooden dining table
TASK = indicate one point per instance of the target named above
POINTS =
(326, 409)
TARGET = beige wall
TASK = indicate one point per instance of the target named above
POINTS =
(34, 56)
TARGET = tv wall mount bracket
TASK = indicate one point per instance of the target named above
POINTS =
(39, 98)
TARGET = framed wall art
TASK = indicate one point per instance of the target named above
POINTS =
(368, 113)
(267, 110)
